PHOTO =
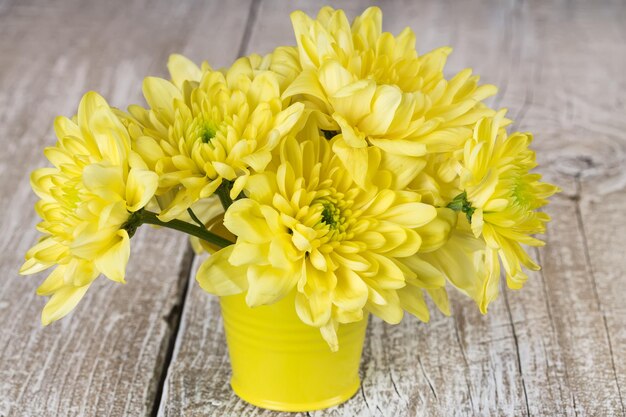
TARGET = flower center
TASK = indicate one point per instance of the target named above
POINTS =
(331, 215)
(202, 129)
(521, 193)
(207, 131)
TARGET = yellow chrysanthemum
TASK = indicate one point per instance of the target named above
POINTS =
(87, 198)
(375, 90)
(501, 196)
(200, 138)
(307, 226)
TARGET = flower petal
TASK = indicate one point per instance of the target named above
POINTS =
(62, 303)
(113, 262)
(412, 300)
(160, 95)
(351, 292)
(140, 188)
(218, 276)
(53, 282)
(245, 219)
(267, 285)
(182, 69)
(411, 215)
(354, 159)
(314, 309)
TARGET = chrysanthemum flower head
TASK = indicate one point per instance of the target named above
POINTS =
(501, 197)
(86, 201)
(307, 227)
(213, 135)
(375, 90)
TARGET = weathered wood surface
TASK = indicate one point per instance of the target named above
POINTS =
(556, 348)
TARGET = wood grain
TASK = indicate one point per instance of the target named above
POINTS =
(556, 348)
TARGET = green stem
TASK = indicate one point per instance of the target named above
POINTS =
(191, 229)
(223, 192)
(225, 200)
(195, 218)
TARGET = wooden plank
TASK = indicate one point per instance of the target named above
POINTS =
(558, 346)
(605, 240)
(107, 358)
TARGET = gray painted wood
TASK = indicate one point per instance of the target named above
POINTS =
(555, 348)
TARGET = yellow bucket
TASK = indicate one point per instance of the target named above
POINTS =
(279, 363)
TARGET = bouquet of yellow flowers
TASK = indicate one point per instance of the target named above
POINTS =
(347, 170)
